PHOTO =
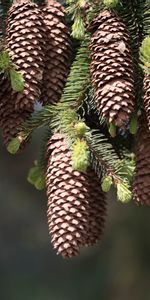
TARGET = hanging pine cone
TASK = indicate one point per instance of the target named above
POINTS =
(10, 121)
(25, 43)
(76, 204)
(58, 52)
(112, 68)
(147, 97)
(141, 183)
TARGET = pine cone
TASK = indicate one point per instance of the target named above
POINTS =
(112, 68)
(58, 52)
(147, 97)
(141, 182)
(76, 204)
(25, 43)
(11, 120)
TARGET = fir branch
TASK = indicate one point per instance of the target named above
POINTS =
(77, 9)
(64, 121)
(37, 120)
(106, 164)
(79, 77)
(103, 156)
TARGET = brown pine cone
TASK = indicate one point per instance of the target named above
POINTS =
(25, 41)
(76, 203)
(141, 182)
(147, 97)
(58, 52)
(112, 68)
(11, 120)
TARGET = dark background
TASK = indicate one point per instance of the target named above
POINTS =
(118, 268)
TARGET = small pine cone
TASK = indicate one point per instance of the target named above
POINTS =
(147, 97)
(112, 68)
(141, 182)
(76, 203)
(58, 52)
(11, 120)
(25, 43)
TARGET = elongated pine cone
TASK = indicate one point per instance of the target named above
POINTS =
(76, 203)
(25, 42)
(58, 52)
(112, 68)
(141, 182)
(147, 97)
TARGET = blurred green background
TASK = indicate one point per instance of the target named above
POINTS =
(117, 269)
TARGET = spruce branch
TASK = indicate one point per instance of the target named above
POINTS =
(79, 77)
(106, 164)
(38, 119)
(103, 156)
(77, 8)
